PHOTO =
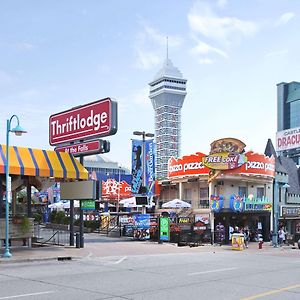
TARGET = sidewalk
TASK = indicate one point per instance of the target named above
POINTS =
(104, 247)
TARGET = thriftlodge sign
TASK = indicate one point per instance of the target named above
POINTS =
(96, 119)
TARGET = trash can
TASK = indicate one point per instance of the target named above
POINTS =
(237, 241)
(77, 236)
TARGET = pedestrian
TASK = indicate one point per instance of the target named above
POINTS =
(281, 236)
(246, 237)
(271, 238)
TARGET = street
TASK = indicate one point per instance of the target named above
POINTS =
(171, 272)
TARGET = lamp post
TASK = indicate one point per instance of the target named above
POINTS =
(18, 130)
(119, 187)
(144, 135)
(276, 211)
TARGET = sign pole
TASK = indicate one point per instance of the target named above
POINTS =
(81, 214)
(71, 222)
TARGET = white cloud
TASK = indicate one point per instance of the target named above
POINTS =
(205, 61)
(203, 48)
(222, 3)
(26, 46)
(141, 96)
(277, 53)
(203, 20)
(146, 59)
(285, 18)
(150, 46)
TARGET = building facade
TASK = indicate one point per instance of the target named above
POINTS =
(288, 119)
(288, 155)
(167, 94)
(238, 192)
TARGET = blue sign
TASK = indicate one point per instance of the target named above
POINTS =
(136, 170)
(150, 167)
(216, 202)
(236, 203)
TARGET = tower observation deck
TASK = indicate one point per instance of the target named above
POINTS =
(167, 93)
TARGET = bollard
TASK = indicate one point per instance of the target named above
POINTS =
(298, 244)
(77, 235)
(260, 243)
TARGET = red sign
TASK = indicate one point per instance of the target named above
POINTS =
(113, 189)
(88, 121)
(257, 164)
(187, 165)
(92, 147)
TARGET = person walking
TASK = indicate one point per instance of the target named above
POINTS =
(281, 236)
(246, 237)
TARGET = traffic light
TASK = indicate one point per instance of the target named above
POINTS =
(104, 146)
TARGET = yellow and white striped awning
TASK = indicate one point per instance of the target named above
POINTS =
(41, 163)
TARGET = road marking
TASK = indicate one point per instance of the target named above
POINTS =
(26, 295)
(212, 271)
(272, 292)
(120, 260)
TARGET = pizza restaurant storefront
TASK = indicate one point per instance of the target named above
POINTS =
(229, 187)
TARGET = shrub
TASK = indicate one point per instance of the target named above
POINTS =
(38, 218)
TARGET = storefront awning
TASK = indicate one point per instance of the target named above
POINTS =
(41, 163)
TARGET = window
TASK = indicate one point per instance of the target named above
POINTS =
(187, 194)
(204, 193)
(203, 204)
(242, 191)
(260, 192)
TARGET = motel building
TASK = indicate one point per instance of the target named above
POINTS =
(226, 188)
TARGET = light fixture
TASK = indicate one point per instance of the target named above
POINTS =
(18, 130)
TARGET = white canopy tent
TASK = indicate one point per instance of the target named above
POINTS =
(176, 203)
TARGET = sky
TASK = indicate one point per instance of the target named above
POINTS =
(58, 54)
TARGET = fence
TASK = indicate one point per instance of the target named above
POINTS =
(48, 236)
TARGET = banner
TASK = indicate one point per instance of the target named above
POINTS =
(150, 167)
(141, 226)
(164, 229)
(137, 163)
(236, 203)
(216, 202)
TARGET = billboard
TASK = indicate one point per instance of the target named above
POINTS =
(77, 190)
(96, 119)
(288, 139)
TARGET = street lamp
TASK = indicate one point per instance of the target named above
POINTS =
(144, 135)
(119, 187)
(276, 211)
(18, 130)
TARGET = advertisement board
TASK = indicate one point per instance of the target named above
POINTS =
(288, 139)
(96, 119)
(141, 226)
(164, 229)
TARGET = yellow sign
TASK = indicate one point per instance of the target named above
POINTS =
(224, 160)
(237, 241)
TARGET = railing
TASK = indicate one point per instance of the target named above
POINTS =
(109, 224)
(47, 236)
